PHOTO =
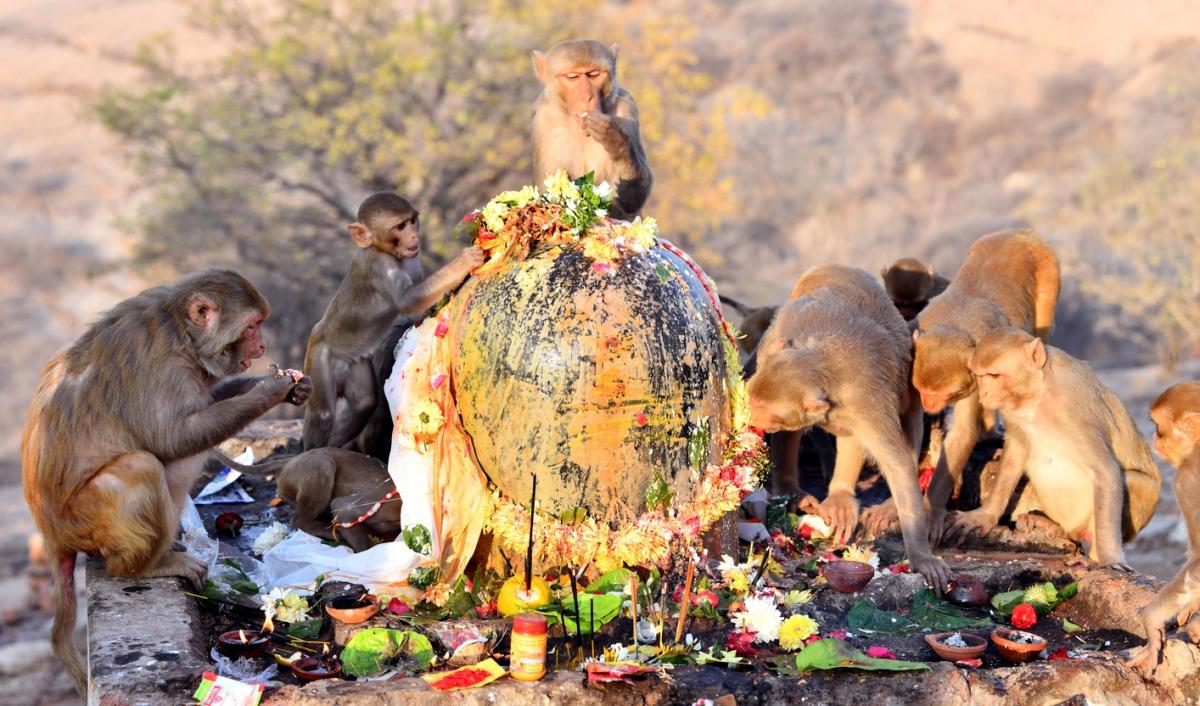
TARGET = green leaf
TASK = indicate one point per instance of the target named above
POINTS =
(1070, 627)
(937, 615)
(1068, 591)
(595, 610)
(247, 587)
(306, 629)
(573, 516)
(867, 619)
(460, 601)
(372, 651)
(698, 445)
(614, 581)
(659, 493)
(418, 539)
(423, 576)
(1004, 603)
(838, 654)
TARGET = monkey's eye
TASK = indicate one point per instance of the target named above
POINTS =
(593, 73)
(571, 76)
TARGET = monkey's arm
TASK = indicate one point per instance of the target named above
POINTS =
(1109, 499)
(177, 431)
(1181, 596)
(414, 298)
(986, 517)
(840, 506)
(232, 387)
(960, 441)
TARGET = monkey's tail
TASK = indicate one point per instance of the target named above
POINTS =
(734, 304)
(62, 633)
(258, 469)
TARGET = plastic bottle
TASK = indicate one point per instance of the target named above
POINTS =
(528, 661)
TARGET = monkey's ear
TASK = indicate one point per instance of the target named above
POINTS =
(816, 405)
(1189, 423)
(614, 48)
(1037, 353)
(883, 273)
(539, 65)
(361, 235)
(201, 310)
(916, 334)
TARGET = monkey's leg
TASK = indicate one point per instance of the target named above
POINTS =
(785, 446)
(960, 441)
(321, 413)
(959, 525)
(1109, 495)
(1178, 595)
(840, 506)
(359, 391)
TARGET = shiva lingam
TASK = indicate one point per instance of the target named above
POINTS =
(326, 666)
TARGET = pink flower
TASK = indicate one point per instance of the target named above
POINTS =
(902, 568)
(836, 634)
(741, 642)
(397, 607)
(699, 598)
(641, 419)
(486, 610)
(693, 525)
(469, 217)
(880, 652)
(443, 326)
(602, 267)
(436, 381)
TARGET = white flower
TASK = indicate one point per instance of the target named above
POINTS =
(493, 215)
(728, 563)
(647, 631)
(604, 190)
(761, 617)
(272, 535)
(289, 606)
(820, 528)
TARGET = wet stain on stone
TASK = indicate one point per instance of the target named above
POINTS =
(136, 589)
(166, 656)
(127, 658)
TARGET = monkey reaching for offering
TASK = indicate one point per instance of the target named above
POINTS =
(1089, 469)
(837, 356)
(911, 284)
(1010, 278)
(121, 422)
(1176, 416)
(383, 282)
(585, 122)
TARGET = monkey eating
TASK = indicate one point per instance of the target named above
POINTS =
(911, 284)
(384, 282)
(1176, 417)
(1009, 278)
(837, 356)
(1089, 469)
(585, 122)
(121, 424)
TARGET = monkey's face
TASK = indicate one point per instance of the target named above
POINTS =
(940, 371)
(398, 234)
(784, 394)
(1171, 442)
(582, 82)
(249, 345)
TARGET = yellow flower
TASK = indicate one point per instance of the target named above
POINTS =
(560, 188)
(643, 231)
(866, 555)
(736, 580)
(600, 251)
(427, 417)
(494, 213)
(795, 630)
(791, 599)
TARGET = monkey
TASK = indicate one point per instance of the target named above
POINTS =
(1009, 278)
(122, 419)
(911, 284)
(376, 437)
(837, 356)
(384, 281)
(1089, 469)
(755, 321)
(329, 486)
(1176, 417)
(585, 122)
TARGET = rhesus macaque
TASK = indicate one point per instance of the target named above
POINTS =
(121, 424)
(911, 284)
(384, 281)
(376, 437)
(755, 321)
(330, 485)
(1010, 278)
(837, 356)
(1089, 468)
(1176, 416)
(585, 122)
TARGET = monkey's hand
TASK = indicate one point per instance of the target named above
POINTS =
(840, 512)
(805, 505)
(603, 129)
(1192, 627)
(878, 519)
(1146, 658)
(935, 571)
(960, 525)
(301, 391)
(471, 258)
(275, 388)
(937, 527)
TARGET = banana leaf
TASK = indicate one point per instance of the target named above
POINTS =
(838, 654)
(867, 619)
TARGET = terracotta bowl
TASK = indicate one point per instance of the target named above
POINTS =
(314, 668)
(350, 610)
(230, 643)
(848, 576)
(975, 646)
(1011, 650)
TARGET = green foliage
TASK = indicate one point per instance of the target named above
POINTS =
(374, 650)
(839, 654)
(1044, 597)
(259, 160)
(418, 539)
(929, 613)
(595, 610)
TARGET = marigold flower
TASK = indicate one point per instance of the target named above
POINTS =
(795, 630)
(427, 417)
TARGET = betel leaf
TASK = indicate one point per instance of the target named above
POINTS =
(418, 539)
(838, 654)
(305, 629)
(869, 620)
(614, 581)
(935, 614)
(371, 651)
(595, 610)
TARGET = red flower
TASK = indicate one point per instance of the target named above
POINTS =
(836, 634)
(925, 477)
(693, 525)
(486, 610)
(1060, 653)
(758, 432)
(1024, 616)
(699, 598)
(397, 607)
(741, 642)
(443, 326)
(806, 532)
(902, 568)
(641, 419)
(469, 217)
(880, 652)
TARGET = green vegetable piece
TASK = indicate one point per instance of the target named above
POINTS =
(1070, 627)
(418, 539)
(838, 654)
(306, 629)
(371, 651)
(1004, 603)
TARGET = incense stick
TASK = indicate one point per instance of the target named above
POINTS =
(529, 549)
(687, 600)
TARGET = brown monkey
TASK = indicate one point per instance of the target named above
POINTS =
(911, 284)
(755, 321)
(1010, 278)
(376, 437)
(585, 122)
(122, 420)
(384, 281)
(328, 486)
(837, 356)
(1176, 416)
(1089, 468)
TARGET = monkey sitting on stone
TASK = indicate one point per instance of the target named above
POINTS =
(331, 488)
(384, 282)
(1176, 416)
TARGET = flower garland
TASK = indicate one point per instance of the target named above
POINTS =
(574, 214)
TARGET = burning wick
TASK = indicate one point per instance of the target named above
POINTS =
(242, 636)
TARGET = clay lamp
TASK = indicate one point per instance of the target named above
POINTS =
(942, 643)
(848, 576)
(313, 668)
(239, 643)
(966, 590)
(1017, 645)
(352, 609)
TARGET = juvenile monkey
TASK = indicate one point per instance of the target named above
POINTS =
(1089, 468)
(330, 486)
(585, 122)
(1176, 416)
(910, 284)
(1010, 278)
(122, 420)
(384, 281)
(837, 356)
(755, 321)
